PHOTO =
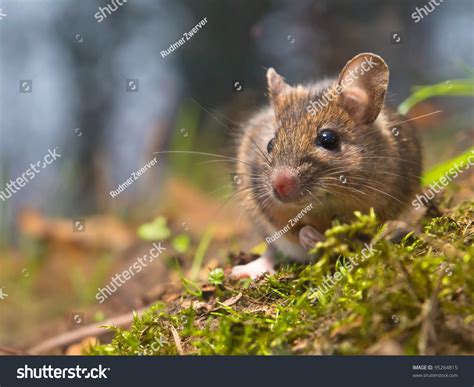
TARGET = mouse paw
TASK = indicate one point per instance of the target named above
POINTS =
(254, 269)
(309, 236)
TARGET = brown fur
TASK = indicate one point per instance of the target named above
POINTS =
(382, 170)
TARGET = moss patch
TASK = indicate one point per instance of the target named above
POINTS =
(410, 296)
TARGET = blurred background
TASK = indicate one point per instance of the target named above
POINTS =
(101, 93)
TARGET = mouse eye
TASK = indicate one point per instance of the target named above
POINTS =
(270, 145)
(328, 139)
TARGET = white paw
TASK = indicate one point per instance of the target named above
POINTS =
(309, 236)
(254, 269)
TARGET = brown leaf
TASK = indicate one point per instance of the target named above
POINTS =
(232, 300)
(100, 231)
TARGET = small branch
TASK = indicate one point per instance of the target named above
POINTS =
(76, 335)
(11, 351)
(429, 313)
(177, 340)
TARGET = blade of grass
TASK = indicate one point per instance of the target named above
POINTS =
(184, 137)
(200, 252)
(456, 87)
(441, 170)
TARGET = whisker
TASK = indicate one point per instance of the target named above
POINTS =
(265, 157)
(385, 193)
(265, 204)
(210, 113)
(348, 187)
(233, 195)
(214, 161)
(388, 158)
(416, 118)
(350, 190)
(393, 124)
(408, 177)
(224, 117)
(219, 189)
(374, 188)
(205, 154)
(416, 179)
(314, 197)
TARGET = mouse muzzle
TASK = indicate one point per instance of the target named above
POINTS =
(285, 184)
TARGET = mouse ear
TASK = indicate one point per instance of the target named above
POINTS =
(276, 84)
(363, 82)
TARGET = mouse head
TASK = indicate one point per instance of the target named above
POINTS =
(323, 133)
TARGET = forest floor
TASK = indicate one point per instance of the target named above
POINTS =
(410, 293)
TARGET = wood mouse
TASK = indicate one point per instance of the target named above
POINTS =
(321, 151)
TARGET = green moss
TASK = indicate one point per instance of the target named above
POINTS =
(416, 293)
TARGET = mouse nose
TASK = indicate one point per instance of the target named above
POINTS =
(285, 184)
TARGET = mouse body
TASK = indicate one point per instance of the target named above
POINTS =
(319, 152)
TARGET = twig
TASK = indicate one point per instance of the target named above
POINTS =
(89, 330)
(177, 340)
(429, 313)
(11, 351)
